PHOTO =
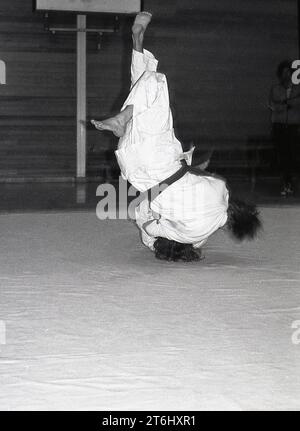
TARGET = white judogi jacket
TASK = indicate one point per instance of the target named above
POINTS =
(188, 211)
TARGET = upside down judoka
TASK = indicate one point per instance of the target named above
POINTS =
(193, 204)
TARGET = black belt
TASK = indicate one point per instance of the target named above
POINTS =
(156, 190)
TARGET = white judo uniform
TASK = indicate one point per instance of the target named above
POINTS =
(192, 208)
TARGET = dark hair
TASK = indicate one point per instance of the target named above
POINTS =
(166, 249)
(243, 220)
(286, 64)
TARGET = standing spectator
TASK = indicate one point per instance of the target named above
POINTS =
(285, 105)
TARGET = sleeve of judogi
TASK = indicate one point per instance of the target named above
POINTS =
(154, 229)
(143, 214)
(150, 233)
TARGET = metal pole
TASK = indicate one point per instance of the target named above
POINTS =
(298, 3)
(81, 96)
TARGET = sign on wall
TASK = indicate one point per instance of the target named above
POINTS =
(106, 6)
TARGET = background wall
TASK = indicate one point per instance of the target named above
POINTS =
(220, 57)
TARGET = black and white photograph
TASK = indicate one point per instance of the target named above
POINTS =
(149, 208)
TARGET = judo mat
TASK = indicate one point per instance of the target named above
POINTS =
(90, 320)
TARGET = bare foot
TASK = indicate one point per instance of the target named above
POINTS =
(141, 22)
(113, 125)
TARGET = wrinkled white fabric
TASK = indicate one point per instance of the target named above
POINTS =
(193, 207)
(191, 210)
(149, 151)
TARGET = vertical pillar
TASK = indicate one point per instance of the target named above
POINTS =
(2, 72)
(298, 4)
(81, 96)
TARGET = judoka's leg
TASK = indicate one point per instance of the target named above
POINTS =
(148, 103)
(144, 91)
(140, 63)
(138, 30)
(142, 60)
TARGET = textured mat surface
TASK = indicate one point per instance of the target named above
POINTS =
(93, 321)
